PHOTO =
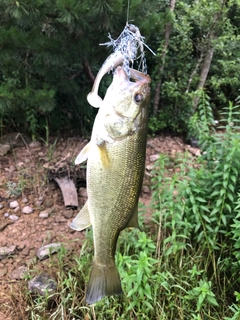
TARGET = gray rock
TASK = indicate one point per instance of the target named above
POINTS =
(4, 148)
(7, 251)
(45, 251)
(43, 285)
(35, 144)
(44, 214)
(82, 192)
(15, 139)
(60, 219)
(6, 214)
(19, 273)
(27, 210)
(13, 204)
(146, 189)
(68, 214)
(24, 200)
(153, 157)
(13, 217)
(1, 206)
(16, 209)
(38, 203)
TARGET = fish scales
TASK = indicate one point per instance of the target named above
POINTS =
(115, 168)
(121, 185)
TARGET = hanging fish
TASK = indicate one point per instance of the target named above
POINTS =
(115, 168)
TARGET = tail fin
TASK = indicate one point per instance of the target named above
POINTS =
(104, 281)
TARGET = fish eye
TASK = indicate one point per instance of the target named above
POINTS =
(138, 97)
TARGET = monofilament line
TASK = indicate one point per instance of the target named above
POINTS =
(128, 10)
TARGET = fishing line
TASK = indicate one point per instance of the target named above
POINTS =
(128, 11)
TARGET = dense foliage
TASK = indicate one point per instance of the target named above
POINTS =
(50, 53)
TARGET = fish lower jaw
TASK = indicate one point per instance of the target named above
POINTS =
(94, 100)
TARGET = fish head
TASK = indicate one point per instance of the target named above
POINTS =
(129, 96)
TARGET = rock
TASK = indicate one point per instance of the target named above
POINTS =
(42, 284)
(83, 192)
(68, 214)
(25, 251)
(38, 203)
(24, 200)
(149, 167)
(194, 142)
(44, 214)
(35, 144)
(13, 204)
(15, 139)
(20, 164)
(21, 246)
(7, 251)
(27, 210)
(60, 219)
(3, 272)
(6, 214)
(1, 206)
(16, 209)
(4, 148)
(45, 251)
(153, 157)
(48, 202)
(13, 217)
(146, 189)
(19, 273)
(5, 223)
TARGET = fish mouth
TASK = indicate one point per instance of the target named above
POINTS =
(122, 80)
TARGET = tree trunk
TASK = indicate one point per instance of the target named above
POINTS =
(209, 54)
(194, 72)
(168, 30)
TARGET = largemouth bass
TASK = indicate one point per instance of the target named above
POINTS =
(115, 168)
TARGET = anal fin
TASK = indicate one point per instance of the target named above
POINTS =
(133, 222)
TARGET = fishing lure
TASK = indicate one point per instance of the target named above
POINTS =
(127, 48)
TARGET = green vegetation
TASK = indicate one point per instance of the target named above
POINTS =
(185, 264)
(50, 54)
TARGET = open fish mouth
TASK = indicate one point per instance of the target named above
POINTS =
(122, 82)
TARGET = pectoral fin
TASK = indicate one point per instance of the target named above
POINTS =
(83, 155)
(103, 154)
(82, 219)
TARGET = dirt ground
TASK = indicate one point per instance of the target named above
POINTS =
(29, 166)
